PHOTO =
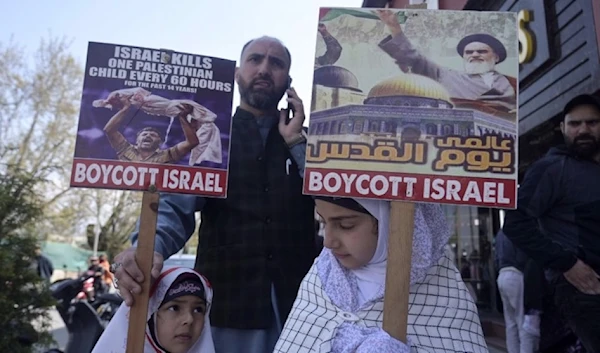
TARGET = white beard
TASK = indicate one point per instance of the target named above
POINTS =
(479, 67)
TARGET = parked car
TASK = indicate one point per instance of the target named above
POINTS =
(180, 260)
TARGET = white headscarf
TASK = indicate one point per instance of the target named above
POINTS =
(430, 235)
(371, 277)
(114, 338)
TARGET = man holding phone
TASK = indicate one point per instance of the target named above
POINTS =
(255, 246)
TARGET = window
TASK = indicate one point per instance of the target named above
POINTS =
(358, 127)
(431, 129)
(448, 130)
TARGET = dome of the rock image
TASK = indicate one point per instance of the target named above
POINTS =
(409, 89)
(336, 77)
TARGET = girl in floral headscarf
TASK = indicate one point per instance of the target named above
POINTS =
(178, 317)
(339, 307)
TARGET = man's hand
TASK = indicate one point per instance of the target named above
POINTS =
(186, 109)
(293, 128)
(125, 102)
(391, 21)
(120, 102)
(129, 276)
(322, 28)
(192, 125)
(584, 278)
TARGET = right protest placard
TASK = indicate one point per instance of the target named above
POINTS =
(415, 105)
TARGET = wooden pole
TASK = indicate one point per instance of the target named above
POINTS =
(402, 222)
(144, 255)
(397, 280)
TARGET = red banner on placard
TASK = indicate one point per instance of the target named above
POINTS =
(107, 174)
(484, 192)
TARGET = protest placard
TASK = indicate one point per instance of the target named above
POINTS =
(413, 117)
(154, 117)
(153, 120)
(413, 106)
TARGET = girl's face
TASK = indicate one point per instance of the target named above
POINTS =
(351, 235)
(179, 323)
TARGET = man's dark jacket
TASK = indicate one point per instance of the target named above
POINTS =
(261, 234)
(557, 219)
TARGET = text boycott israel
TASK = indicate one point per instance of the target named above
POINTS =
(137, 176)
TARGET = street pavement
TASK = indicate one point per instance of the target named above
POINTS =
(58, 331)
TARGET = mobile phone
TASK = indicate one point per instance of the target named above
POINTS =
(290, 107)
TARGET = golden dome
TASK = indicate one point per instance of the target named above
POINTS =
(410, 85)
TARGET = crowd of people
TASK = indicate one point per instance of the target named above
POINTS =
(99, 266)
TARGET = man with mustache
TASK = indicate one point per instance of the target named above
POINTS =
(148, 140)
(557, 220)
(480, 52)
(256, 245)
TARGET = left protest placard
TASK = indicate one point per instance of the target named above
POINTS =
(154, 117)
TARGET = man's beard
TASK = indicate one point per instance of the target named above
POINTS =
(584, 150)
(260, 98)
(479, 67)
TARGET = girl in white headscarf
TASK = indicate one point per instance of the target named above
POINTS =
(339, 307)
(178, 317)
